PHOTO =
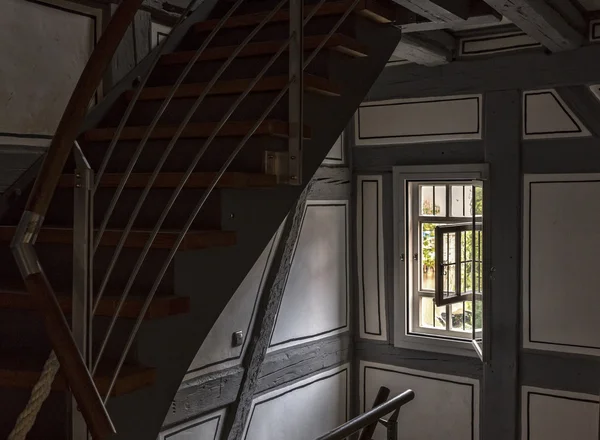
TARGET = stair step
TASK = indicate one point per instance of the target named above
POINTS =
(194, 130)
(367, 8)
(136, 238)
(312, 83)
(338, 42)
(171, 180)
(160, 307)
(20, 371)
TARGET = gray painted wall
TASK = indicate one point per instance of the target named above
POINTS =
(525, 392)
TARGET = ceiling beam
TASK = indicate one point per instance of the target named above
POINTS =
(445, 11)
(418, 50)
(540, 21)
(481, 14)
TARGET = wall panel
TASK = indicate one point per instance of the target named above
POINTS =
(560, 274)
(315, 302)
(207, 427)
(302, 411)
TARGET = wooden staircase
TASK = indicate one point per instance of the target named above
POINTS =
(23, 343)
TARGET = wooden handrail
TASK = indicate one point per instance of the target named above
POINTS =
(77, 108)
(71, 363)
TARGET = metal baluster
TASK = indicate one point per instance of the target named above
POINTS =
(296, 93)
(81, 318)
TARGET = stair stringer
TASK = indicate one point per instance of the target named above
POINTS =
(210, 277)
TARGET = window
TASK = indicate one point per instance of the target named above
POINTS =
(440, 269)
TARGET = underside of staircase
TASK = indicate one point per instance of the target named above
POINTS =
(228, 235)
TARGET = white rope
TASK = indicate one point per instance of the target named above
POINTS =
(40, 392)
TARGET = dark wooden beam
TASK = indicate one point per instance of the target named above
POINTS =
(445, 11)
(540, 21)
(418, 50)
(481, 14)
(265, 321)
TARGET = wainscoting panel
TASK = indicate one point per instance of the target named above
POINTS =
(560, 272)
(445, 407)
(315, 301)
(336, 155)
(304, 410)
(547, 116)
(595, 30)
(158, 31)
(44, 46)
(491, 44)
(558, 415)
(218, 351)
(370, 247)
(207, 427)
(402, 121)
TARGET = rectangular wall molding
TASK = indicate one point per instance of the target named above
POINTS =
(403, 121)
(557, 415)
(491, 44)
(370, 258)
(595, 30)
(560, 274)
(337, 154)
(207, 427)
(306, 409)
(158, 32)
(455, 416)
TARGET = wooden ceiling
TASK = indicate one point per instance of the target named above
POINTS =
(432, 27)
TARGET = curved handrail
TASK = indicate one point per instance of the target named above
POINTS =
(72, 363)
(370, 417)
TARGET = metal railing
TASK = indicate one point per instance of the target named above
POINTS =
(367, 422)
(73, 347)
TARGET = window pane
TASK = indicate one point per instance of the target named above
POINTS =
(426, 312)
(440, 201)
(426, 200)
(478, 201)
(462, 316)
(440, 317)
(450, 248)
(478, 314)
(428, 256)
(449, 288)
(458, 201)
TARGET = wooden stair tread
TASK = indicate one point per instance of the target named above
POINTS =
(160, 307)
(194, 130)
(21, 371)
(171, 180)
(339, 42)
(312, 83)
(136, 239)
(367, 8)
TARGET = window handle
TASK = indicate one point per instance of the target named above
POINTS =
(402, 257)
(416, 257)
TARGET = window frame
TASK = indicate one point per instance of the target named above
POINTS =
(403, 318)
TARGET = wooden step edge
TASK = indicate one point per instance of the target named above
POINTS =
(23, 375)
(368, 8)
(341, 43)
(312, 83)
(171, 180)
(160, 307)
(136, 239)
(199, 130)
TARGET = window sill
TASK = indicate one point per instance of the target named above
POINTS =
(435, 344)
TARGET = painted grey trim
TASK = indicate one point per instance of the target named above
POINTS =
(472, 386)
(394, 104)
(560, 371)
(496, 37)
(384, 158)
(583, 104)
(519, 70)
(581, 155)
(347, 296)
(565, 109)
(218, 418)
(291, 390)
(432, 362)
(502, 327)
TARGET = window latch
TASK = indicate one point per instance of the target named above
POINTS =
(416, 257)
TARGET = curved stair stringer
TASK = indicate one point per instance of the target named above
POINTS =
(210, 277)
